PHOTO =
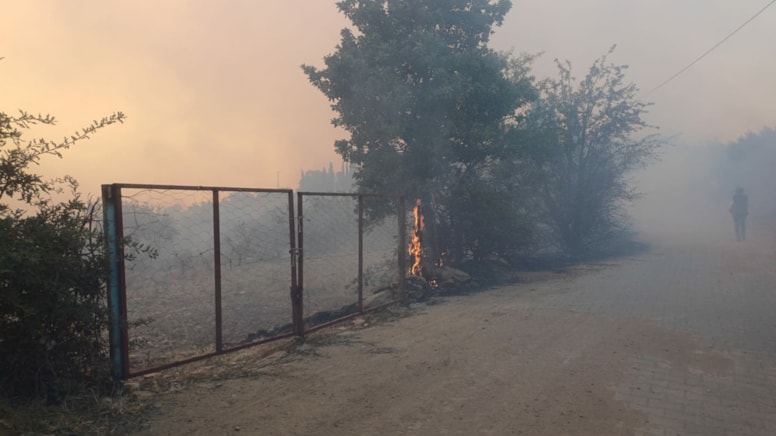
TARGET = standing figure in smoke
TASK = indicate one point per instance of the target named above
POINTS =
(740, 209)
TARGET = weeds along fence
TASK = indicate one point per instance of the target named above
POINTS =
(200, 271)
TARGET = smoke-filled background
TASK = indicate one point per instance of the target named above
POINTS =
(215, 94)
(689, 191)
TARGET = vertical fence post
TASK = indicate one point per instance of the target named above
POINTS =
(217, 270)
(360, 253)
(402, 217)
(297, 290)
(117, 289)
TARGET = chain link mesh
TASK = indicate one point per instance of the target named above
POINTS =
(172, 281)
(170, 273)
(255, 266)
(330, 252)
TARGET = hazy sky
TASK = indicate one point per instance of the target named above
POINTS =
(215, 94)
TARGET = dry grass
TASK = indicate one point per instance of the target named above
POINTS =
(76, 415)
(178, 309)
(92, 415)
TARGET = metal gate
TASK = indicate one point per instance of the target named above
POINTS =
(348, 263)
(199, 271)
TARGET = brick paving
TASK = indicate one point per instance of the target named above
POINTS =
(724, 296)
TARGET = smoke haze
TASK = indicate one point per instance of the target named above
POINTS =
(215, 95)
(688, 193)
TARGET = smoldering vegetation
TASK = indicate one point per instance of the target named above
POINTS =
(688, 192)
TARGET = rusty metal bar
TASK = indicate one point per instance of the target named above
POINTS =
(258, 342)
(360, 254)
(117, 285)
(296, 296)
(217, 270)
(192, 359)
(297, 293)
(402, 251)
(173, 364)
(195, 188)
(122, 282)
(346, 317)
(346, 194)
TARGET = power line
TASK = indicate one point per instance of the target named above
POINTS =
(713, 48)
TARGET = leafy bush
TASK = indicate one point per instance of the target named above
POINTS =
(52, 311)
(53, 315)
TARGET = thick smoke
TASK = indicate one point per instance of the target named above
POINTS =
(687, 194)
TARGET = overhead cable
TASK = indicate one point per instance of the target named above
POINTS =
(713, 48)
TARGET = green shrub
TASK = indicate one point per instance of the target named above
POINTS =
(53, 270)
(52, 301)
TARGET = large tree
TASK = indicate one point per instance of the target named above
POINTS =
(587, 136)
(424, 101)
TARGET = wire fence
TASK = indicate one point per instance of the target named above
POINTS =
(350, 263)
(199, 271)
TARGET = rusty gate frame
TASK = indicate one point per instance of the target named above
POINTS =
(401, 257)
(113, 227)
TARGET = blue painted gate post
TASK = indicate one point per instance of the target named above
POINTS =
(117, 307)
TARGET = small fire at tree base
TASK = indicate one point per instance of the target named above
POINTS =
(416, 246)
(434, 276)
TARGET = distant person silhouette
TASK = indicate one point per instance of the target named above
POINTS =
(740, 209)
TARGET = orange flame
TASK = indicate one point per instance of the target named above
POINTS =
(415, 247)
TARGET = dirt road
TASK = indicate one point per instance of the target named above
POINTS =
(679, 340)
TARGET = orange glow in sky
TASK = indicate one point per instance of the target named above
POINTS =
(215, 95)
